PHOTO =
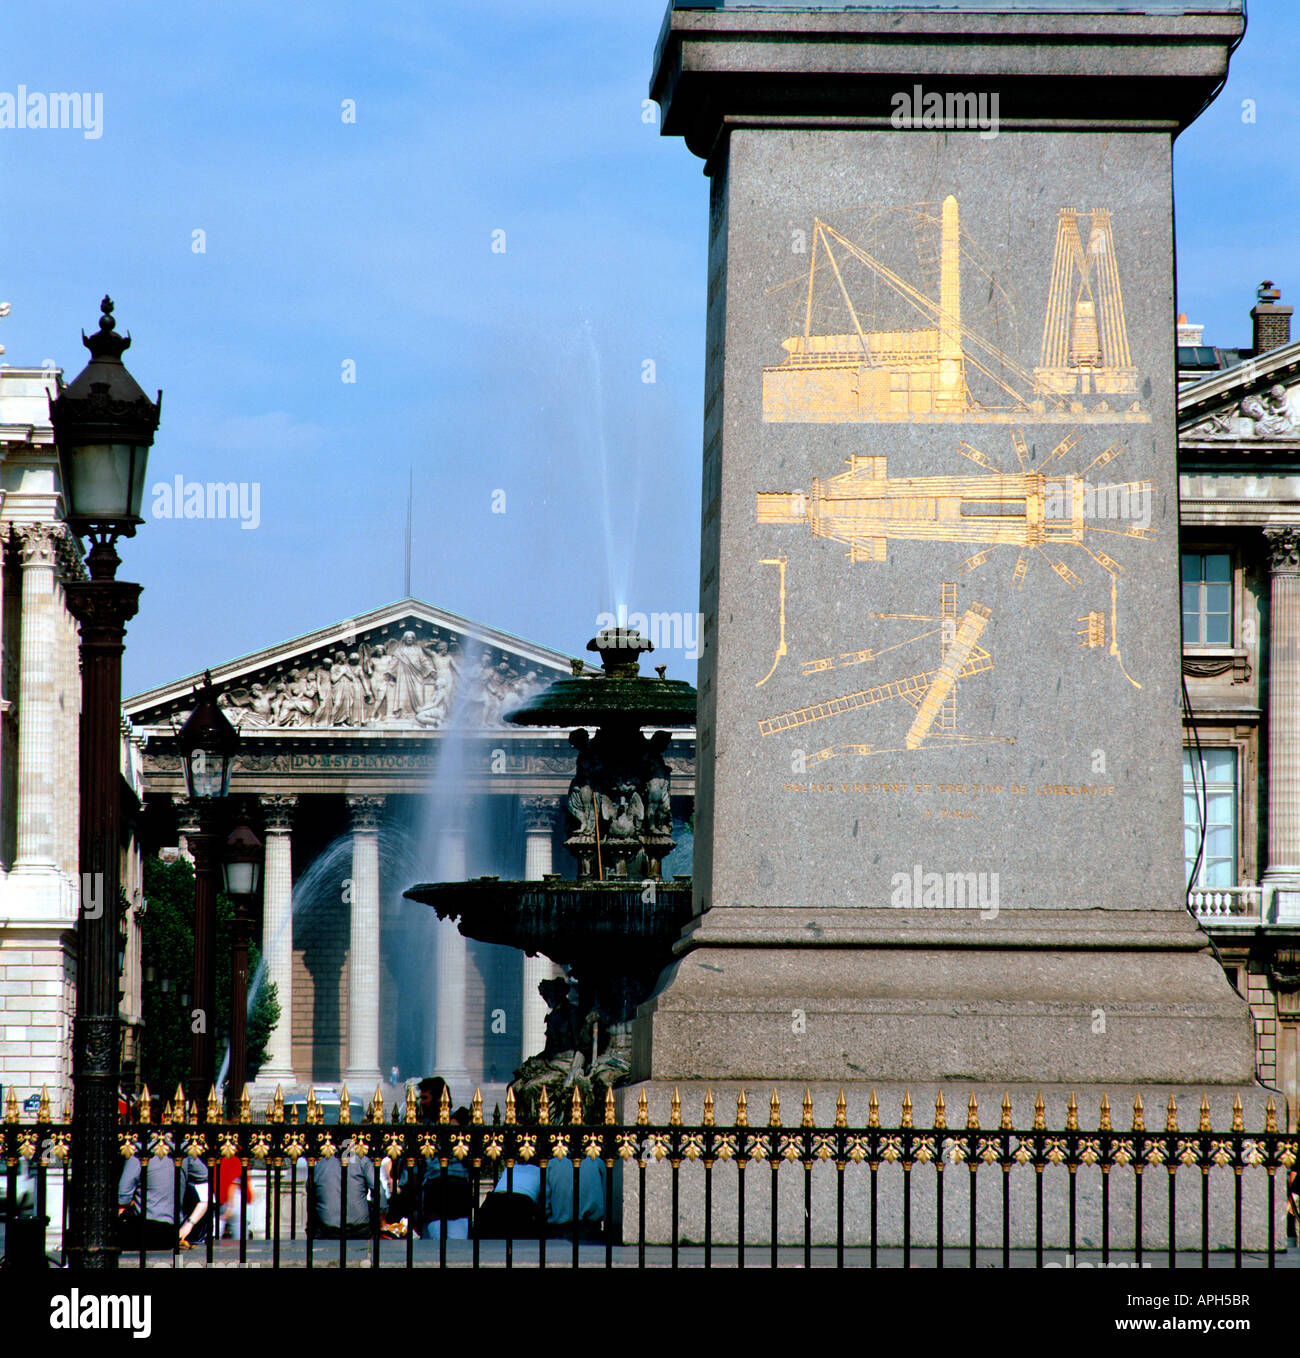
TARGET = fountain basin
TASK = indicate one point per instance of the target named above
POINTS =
(618, 924)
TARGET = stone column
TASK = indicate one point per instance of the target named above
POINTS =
(277, 933)
(1283, 832)
(539, 821)
(37, 703)
(449, 1056)
(363, 952)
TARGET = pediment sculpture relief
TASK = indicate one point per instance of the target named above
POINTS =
(1270, 414)
(406, 681)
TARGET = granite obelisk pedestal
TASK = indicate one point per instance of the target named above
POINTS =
(939, 823)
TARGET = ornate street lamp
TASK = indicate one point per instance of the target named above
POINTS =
(243, 869)
(104, 426)
(207, 744)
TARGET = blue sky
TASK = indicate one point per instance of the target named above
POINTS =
(518, 372)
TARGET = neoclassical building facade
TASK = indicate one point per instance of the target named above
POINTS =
(1239, 492)
(374, 755)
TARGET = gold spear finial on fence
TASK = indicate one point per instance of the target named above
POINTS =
(1270, 1115)
(67, 1112)
(293, 1115)
(146, 1106)
(345, 1106)
(1237, 1124)
(376, 1110)
(972, 1113)
(940, 1110)
(841, 1109)
(873, 1110)
(708, 1108)
(742, 1110)
(444, 1105)
(906, 1119)
(510, 1106)
(178, 1105)
(642, 1110)
(11, 1106)
(413, 1113)
(1138, 1124)
(1072, 1114)
(675, 1109)
(245, 1106)
(1040, 1116)
(277, 1104)
(575, 1107)
(313, 1108)
(1171, 1115)
(807, 1107)
(543, 1107)
(1005, 1124)
(476, 1106)
(1205, 1113)
(1103, 1122)
(611, 1111)
(774, 1110)
(43, 1112)
(214, 1105)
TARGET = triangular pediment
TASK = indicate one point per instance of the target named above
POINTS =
(1257, 401)
(407, 666)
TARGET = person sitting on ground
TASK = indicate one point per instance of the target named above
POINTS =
(151, 1215)
(591, 1198)
(342, 1196)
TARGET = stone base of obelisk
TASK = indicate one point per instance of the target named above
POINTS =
(1117, 1226)
(1032, 996)
(1082, 1001)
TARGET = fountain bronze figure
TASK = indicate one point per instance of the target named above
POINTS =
(613, 926)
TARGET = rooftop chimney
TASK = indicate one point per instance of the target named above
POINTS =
(1189, 333)
(1272, 321)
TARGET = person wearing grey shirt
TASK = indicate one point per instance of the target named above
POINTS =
(339, 1189)
(151, 1210)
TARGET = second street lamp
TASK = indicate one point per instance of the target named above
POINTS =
(243, 870)
(207, 744)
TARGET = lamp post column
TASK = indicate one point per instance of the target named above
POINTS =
(103, 606)
(206, 848)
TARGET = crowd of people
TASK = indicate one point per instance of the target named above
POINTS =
(345, 1196)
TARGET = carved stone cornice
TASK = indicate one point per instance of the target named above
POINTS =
(539, 814)
(365, 812)
(1213, 666)
(1283, 549)
(277, 811)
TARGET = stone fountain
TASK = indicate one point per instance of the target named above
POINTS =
(612, 927)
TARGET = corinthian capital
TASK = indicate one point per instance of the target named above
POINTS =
(277, 811)
(38, 543)
(539, 813)
(365, 812)
(1284, 549)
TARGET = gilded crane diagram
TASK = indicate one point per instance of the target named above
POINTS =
(1042, 514)
(931, 693)
(958, 363)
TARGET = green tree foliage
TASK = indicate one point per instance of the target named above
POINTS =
(167, 931)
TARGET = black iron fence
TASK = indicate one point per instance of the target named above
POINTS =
(582, 1190)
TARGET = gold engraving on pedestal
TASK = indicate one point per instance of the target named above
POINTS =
(948, 370)
(780, 563)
